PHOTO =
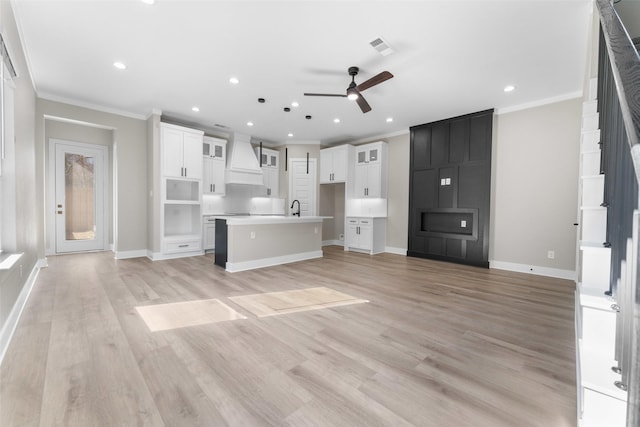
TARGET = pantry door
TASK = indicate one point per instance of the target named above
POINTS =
(302, 185)
(80, 180)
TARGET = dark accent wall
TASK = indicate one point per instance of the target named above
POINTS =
(450, 188)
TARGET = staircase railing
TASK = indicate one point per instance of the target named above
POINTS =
(619, 109)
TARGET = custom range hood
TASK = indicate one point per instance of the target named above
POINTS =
(242, 164)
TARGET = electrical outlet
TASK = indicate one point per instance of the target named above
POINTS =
(463, 223)
(315, 230)
(253, 234)
(551, 254)
(341, 236)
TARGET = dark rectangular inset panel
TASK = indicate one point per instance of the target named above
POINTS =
(423, 190)
(420, 147)
(446, 188)
(459, 141)
(473, 186)
(435, 246)
(440, 144)
(480, 137)
(455, 223)
(454, 248)
(417, 243)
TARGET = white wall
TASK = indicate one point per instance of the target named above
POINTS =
(77, 133)
(398, 192)
(28, 226)
(130, 164)
(535, 187)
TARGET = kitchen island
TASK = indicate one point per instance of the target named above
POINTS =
(249, 242)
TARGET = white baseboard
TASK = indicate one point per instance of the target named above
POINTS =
(333, 243)
(130, 254)
(397, 251)
(534, 269)
(159, 256)
(233, 267)
(12, 321)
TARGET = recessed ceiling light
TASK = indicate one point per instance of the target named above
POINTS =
(289, 134)
(234, 80)
(389, 119)
(249, 123)
(148, 1)
(119, 65)
(196, 109)
(509, 88)
(336, 120)
(295, 104)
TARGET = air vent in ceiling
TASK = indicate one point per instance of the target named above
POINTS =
(381, 46)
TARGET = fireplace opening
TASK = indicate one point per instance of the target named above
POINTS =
(458, 223)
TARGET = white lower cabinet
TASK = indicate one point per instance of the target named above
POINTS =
(209, 233)
(181, 218)
(365, 234)
(177, 245)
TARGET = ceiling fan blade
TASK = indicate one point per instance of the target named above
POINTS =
(377, 79)
(325, 94)
(363, 104)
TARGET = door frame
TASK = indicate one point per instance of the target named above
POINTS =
(312, 161)
(51, 248)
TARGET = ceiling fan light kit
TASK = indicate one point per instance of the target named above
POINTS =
(354, 91)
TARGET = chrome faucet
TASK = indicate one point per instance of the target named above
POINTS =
(298, 211)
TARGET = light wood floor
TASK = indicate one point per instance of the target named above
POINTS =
(438, 345)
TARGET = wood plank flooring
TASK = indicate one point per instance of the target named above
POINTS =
(438, 344)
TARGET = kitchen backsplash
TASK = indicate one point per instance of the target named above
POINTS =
(240, 199)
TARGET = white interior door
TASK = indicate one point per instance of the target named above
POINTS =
(302, 185)
(79, 171)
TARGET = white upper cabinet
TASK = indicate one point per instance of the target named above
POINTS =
(368, 181)
(214, 152)
(371, 171)
(269, 162)
(181, 151)
(214, 148)
(213, 176)
(333, 164)
(369, 153)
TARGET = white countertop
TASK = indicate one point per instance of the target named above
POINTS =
(272, 219)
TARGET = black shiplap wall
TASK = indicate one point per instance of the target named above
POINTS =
(450, 181)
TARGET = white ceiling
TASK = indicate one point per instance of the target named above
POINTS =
(451, 58)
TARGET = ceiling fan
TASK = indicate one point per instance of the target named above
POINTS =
(353, 91)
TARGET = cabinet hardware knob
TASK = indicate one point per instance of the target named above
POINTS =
(59, 212)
